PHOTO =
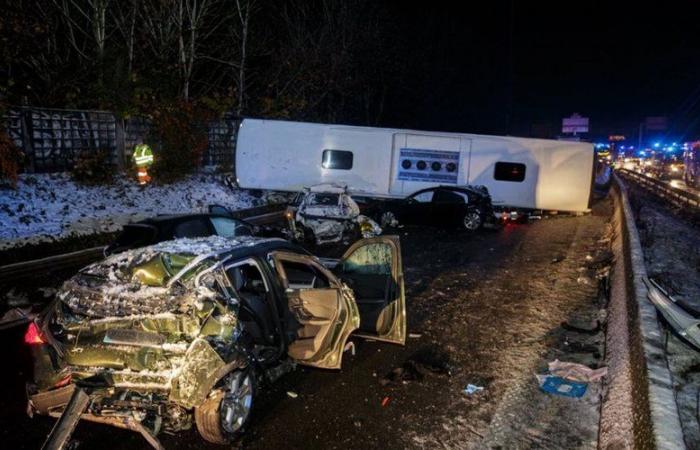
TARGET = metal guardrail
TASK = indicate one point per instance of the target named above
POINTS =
(677, 196)
(261, 215)
(25, 269)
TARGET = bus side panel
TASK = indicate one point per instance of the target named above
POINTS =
(566, 176)
(278, 155)
(486, 152)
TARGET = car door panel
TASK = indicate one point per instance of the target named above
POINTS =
(372, 268)
(325, 316)
(449, 207)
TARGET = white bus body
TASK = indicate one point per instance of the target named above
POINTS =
(381, 162)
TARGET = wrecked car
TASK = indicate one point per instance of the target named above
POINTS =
(326, 213)
(188, 331)
(168, 227)
(465, 207)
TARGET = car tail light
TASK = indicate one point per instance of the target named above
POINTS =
(63, 381)
(33, 335)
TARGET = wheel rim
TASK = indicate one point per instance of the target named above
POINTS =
(472, 221)
(388, 218)
(237, 402)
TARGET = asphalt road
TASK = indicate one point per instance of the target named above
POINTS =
(485, 308)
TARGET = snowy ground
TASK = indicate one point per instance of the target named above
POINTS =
(48, 207)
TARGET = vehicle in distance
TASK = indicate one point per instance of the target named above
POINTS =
(187, 330)
(168, 227)
(691, 169)
(466, 207)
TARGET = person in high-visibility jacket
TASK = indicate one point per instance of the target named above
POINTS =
(143, 158)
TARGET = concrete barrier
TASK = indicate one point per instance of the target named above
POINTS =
(639, 408)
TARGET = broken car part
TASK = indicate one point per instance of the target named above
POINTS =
(682, 322)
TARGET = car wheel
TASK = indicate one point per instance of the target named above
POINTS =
(223, 416)
(388, 219)
(472, 220)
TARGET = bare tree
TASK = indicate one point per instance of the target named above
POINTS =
(191, 16)
(243, 8)
(86, 22)
(126, 15)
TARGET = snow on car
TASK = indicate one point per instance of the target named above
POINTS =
(326, 213)
(187, 330)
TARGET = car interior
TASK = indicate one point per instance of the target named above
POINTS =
(254, 313)
(368, 272)
(313, 304)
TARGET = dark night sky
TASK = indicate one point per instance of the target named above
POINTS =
(615, 62)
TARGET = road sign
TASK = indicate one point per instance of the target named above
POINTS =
(659, 123)
(574, 124)
(616, 138)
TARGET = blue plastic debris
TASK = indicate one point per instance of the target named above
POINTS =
(472, 389)
(561, 386)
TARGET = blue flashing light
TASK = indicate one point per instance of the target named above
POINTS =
(642, 153)
(657, 144)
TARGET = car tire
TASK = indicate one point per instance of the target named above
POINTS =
(472, 220)
(387, 219)
(225, 413)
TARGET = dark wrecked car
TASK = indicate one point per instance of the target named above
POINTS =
(168, 227)
(465, 207)
(189, 330)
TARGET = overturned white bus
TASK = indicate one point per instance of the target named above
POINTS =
(382, 162)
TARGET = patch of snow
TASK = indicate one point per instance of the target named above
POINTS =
(48, 207)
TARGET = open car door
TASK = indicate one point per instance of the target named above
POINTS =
(373, 269)
(324, 311)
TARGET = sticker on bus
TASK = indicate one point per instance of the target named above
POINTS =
(434, 166)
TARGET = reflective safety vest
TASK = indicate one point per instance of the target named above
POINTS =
(143, 155)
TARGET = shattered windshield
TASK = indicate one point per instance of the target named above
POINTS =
(160, 269)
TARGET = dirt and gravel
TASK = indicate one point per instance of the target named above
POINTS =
(672, 255)
(490, 309)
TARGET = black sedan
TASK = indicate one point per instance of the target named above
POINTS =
(465, 207)
(165, 228)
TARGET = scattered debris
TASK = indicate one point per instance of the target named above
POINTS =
(426, 360)
(568, 326)
(350, 346)
(472, 389)
(292, 394)
(415, 335)
(385, 401)
(559, 386)
(576, 372)
(583, 280)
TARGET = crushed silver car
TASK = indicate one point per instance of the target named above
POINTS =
(326, 213)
